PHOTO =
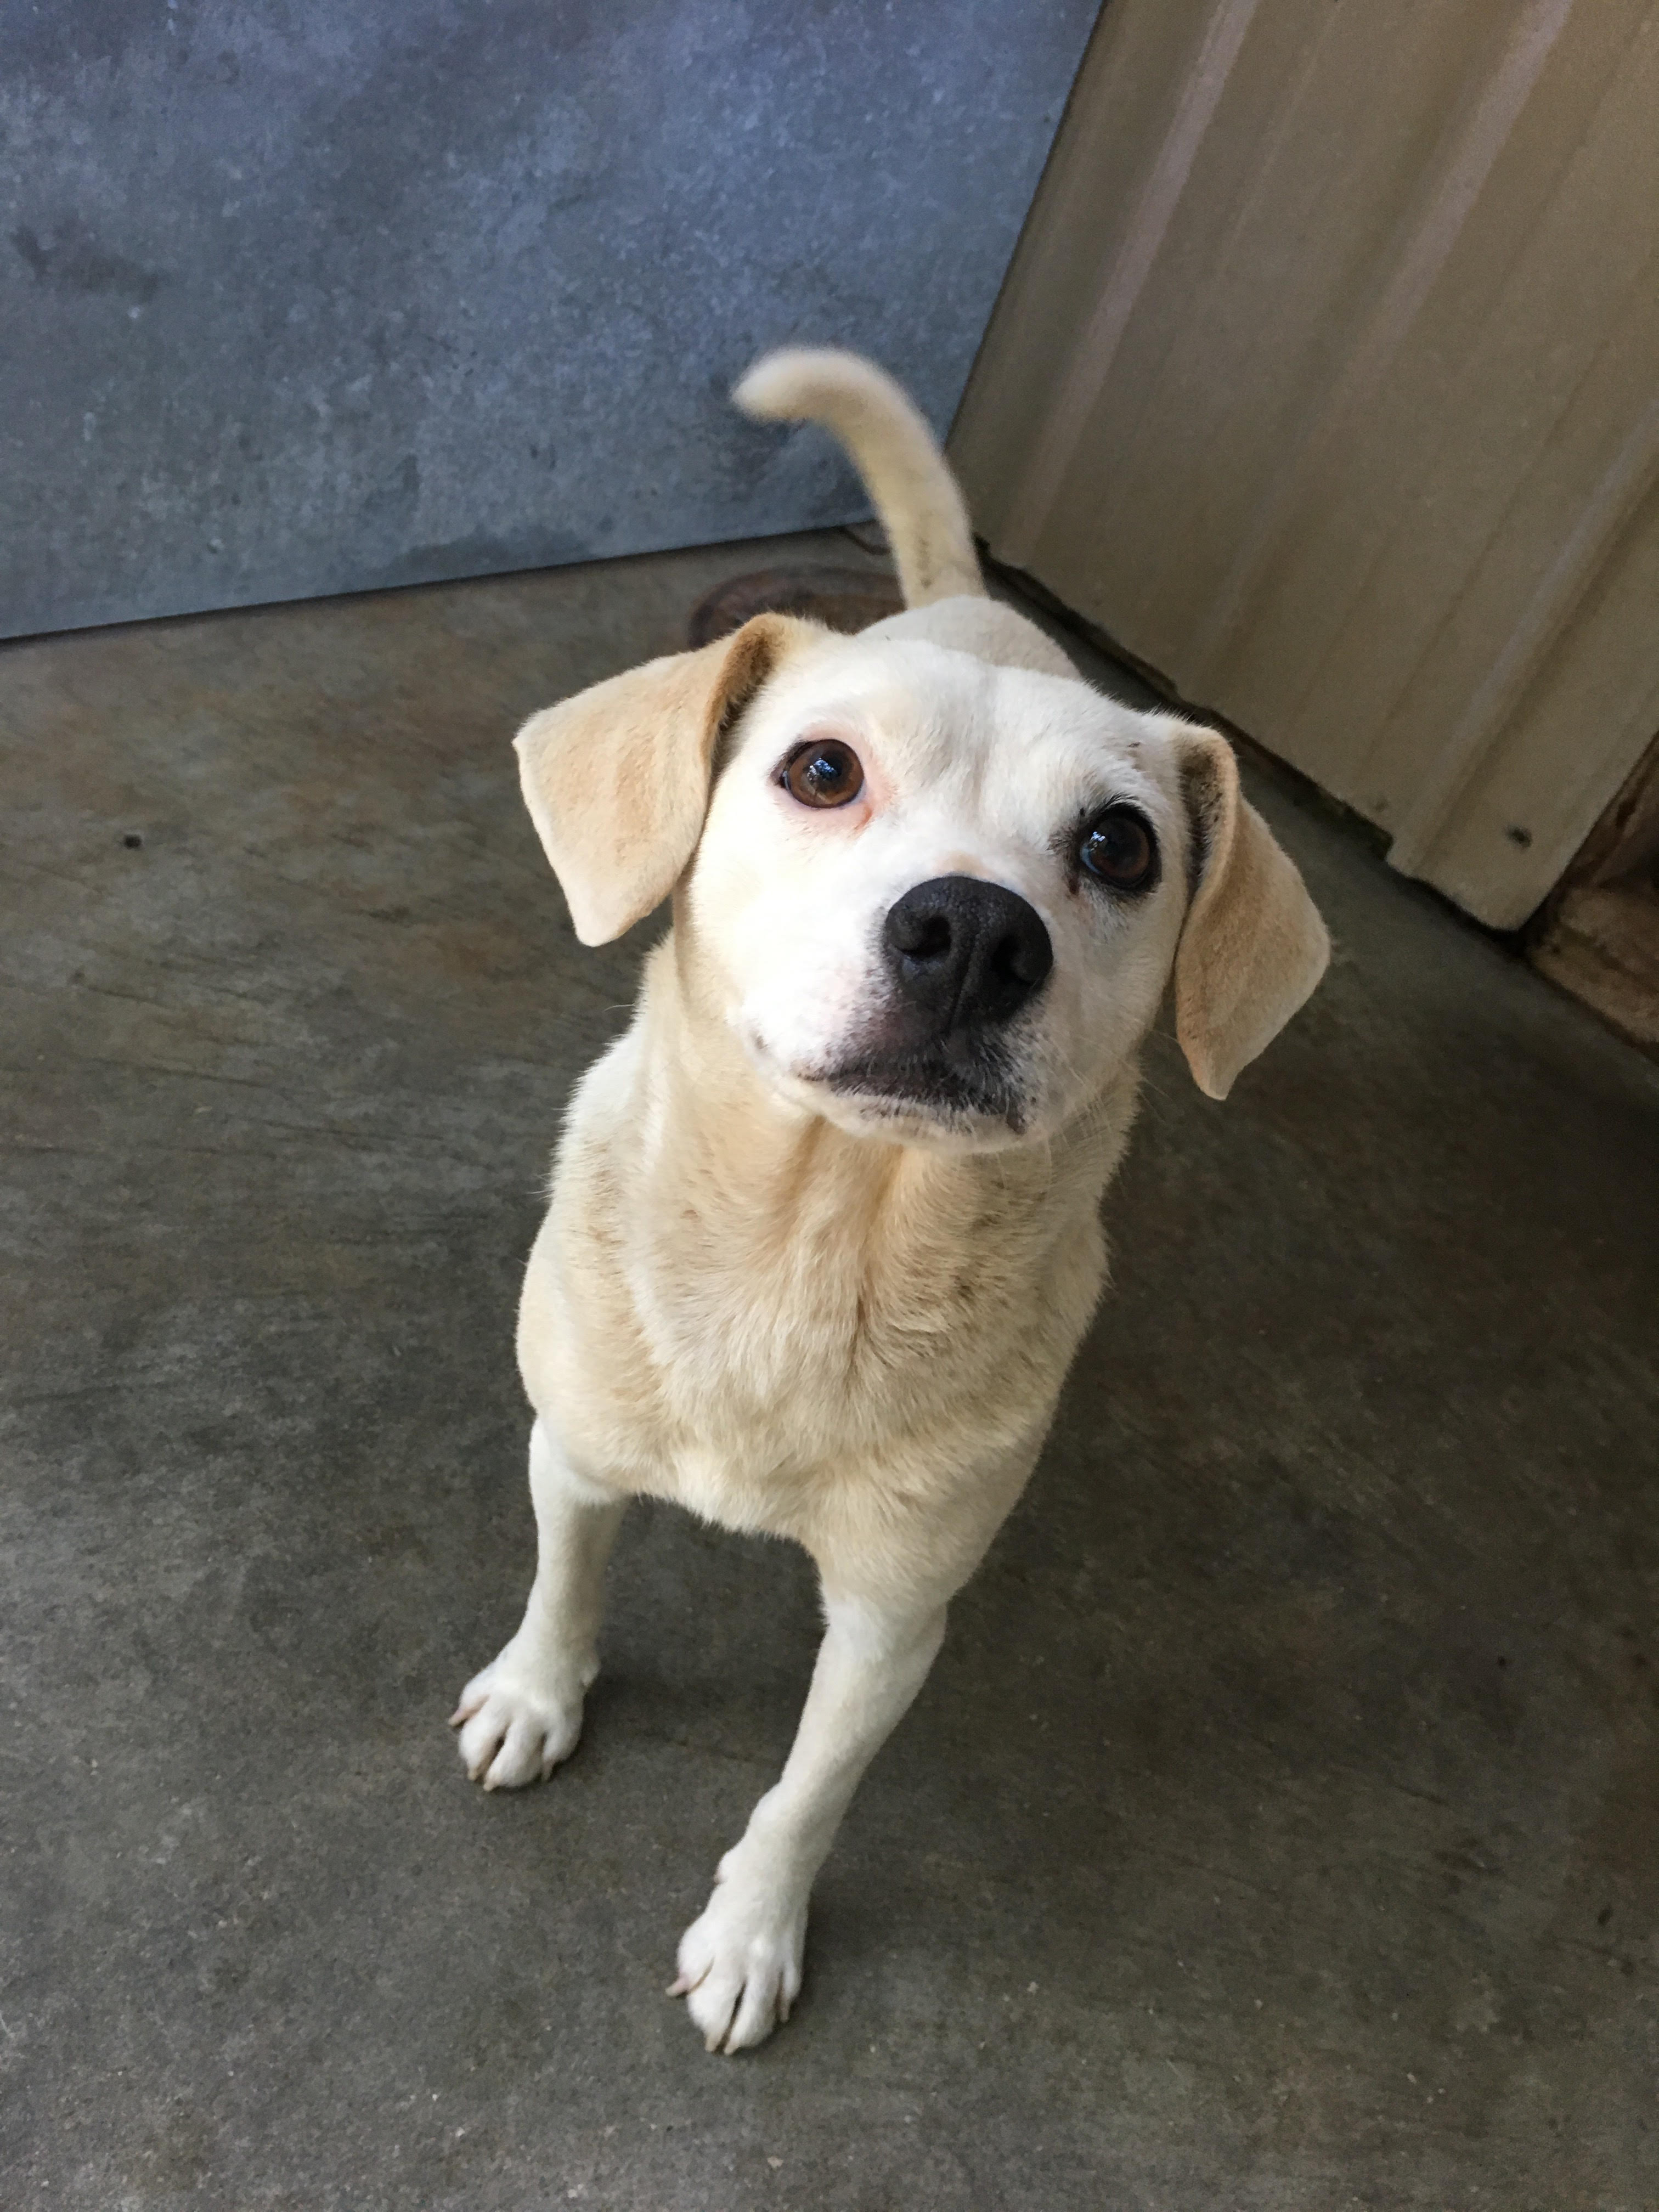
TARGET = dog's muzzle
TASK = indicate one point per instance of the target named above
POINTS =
(964, 959)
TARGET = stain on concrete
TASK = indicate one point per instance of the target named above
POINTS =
(75, 262)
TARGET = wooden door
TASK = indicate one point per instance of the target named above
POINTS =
(1326, 381)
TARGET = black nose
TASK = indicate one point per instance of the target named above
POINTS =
(965, 951)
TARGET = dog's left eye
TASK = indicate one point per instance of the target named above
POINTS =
(823, 772)
(1118, 848)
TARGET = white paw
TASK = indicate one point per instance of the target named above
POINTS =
(518, 1720)
(739, 1965)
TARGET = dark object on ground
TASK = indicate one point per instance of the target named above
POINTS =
(846, 600)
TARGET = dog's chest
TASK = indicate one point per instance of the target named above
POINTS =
(776, 1350)
(794, 1382)
(830, 1330)
(761, 1334)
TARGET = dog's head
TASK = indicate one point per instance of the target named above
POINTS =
(934, 899)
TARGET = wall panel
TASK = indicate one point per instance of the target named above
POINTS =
(1325, 382)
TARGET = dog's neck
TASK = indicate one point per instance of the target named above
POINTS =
(777, 1283)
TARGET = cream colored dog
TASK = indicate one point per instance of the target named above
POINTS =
(824, 1230)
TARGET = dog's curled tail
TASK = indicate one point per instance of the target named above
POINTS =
(895, 451)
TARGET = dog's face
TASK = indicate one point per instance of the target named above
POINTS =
(937, 900)
(934, 898)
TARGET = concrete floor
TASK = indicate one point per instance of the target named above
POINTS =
(1280, 1827)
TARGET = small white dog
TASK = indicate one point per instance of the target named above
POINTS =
(824, 1234)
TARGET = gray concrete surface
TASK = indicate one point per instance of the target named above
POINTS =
(297, 298)
(1279, 1828)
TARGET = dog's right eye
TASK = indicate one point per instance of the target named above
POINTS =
(823, 772)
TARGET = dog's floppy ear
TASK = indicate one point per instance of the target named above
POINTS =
(1253, 945)
(616, 779)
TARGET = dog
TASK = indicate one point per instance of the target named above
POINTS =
(823, 1231)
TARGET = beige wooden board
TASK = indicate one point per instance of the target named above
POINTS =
(1326, 382)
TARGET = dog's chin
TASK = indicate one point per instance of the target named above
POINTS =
(915, 1099)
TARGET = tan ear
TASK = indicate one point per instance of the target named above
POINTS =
(1253, 945)
(616, 779)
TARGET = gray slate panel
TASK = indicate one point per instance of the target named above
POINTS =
(299, 299)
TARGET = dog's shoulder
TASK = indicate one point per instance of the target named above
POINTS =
(984, 628)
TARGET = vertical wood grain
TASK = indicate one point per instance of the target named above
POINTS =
(1324, 382)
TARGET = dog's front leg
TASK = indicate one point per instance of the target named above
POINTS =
(523, 1713)
(740, 1963)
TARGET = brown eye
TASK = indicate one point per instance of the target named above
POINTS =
(823, 773)
(1118, 849)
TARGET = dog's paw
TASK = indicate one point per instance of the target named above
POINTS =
(518, 1721)
(739, 1965)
